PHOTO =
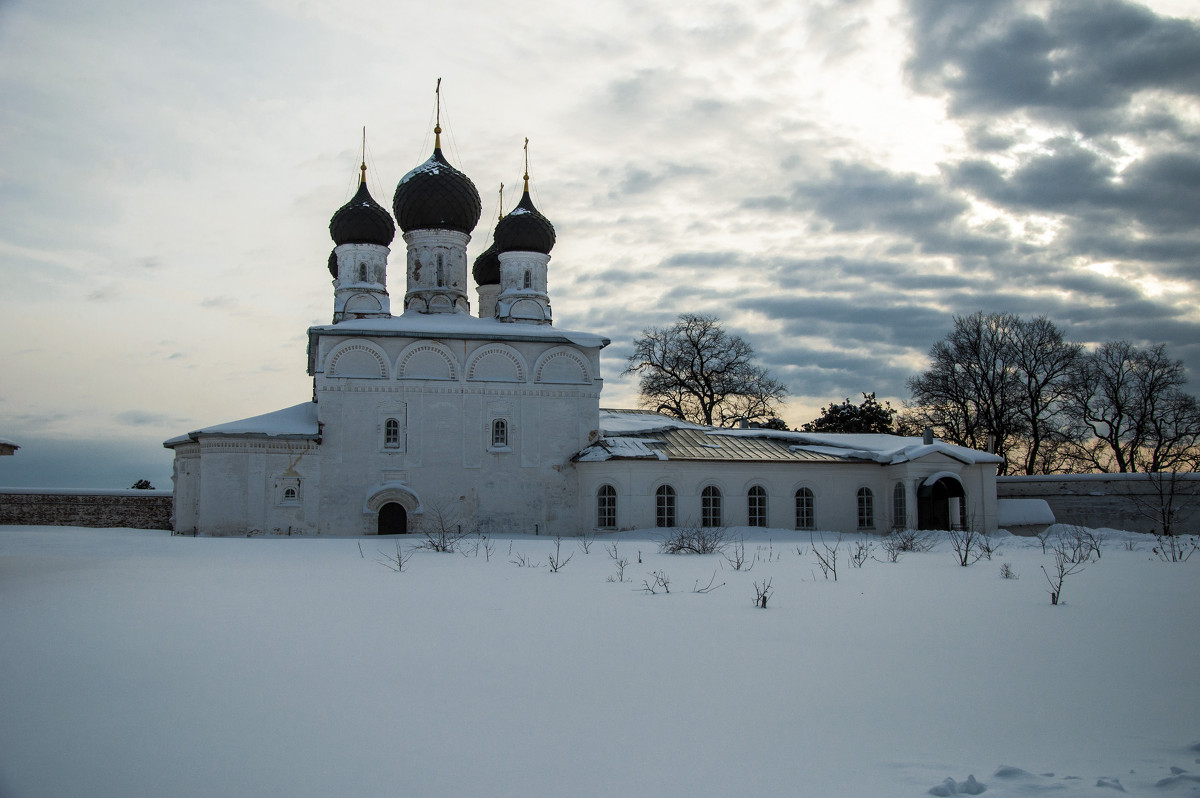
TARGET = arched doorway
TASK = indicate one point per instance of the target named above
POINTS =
(393, 519)
(939, 503)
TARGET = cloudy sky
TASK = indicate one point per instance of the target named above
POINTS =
(834, 179)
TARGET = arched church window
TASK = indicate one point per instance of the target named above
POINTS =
(499, 433)
(289, 495)
(710, 506)
(528, 279)
(756, 506)
(805, 517)
(606, 507)
(866, 508)
(664, 506)
(899, 507)
(441, 270)
(391, 433)
(362, 272)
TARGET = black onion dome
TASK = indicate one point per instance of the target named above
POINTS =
(524, 230)
(362, 220)
(436, 196)
(333, 263)
(487, 267)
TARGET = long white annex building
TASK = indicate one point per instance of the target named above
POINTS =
(493, 422)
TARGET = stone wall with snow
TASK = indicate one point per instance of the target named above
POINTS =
(1115, 501)
(137, 509)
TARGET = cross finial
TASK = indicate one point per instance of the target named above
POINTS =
(527, 163)
(363, 178)
(437, 125)
(501, 216)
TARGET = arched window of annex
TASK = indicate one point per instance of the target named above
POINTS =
(606, 507)
(866, 509)
(710, 506)
(664, 506)
(899, 506)
(806, 515)
(756, 506)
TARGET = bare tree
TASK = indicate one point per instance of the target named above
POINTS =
(1130, 400)
(998, 380)
(1069, 558)
(696, 371)
(1044, 362)
(1172, 498)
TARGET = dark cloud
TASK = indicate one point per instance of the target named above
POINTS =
(1083, 62)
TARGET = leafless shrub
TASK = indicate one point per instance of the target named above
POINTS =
(735, 555)
(763, 592)
(1006, 572)
(556, 561)
(988, 545)
(801, 550)
(1068, 559)
(860, 552)
(393, 561)
(441, 528)
(586, 541)
(905, 540)
(521, 561)
(658, 581)
(619, 561)
(967, 543)
(826, 555)
(709, 587)
(695, 540)
(1175, 548)
(1092, 540)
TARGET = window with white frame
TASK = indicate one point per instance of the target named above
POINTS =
(664, 506)
(606, 507)
(866, 509)
(391, 434)
(899, 506)
(756, 506)
(710, 506)
(805, 517)
(499, 433)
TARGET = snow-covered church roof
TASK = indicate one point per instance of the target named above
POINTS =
(298, 421)
(637, 435)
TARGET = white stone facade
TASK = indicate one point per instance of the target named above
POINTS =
(436, 417)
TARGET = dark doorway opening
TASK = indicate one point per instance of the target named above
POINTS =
(933, 504)
(393, 519)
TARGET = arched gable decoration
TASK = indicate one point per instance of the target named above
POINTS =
(427, 360)
(388, 492)
(562, 366)
(497, 363)
(357, 359)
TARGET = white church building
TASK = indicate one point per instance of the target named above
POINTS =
(493, 422)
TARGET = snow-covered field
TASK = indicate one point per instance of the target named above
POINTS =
(134, 663)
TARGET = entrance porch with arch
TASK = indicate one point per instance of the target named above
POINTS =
(389, 509)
